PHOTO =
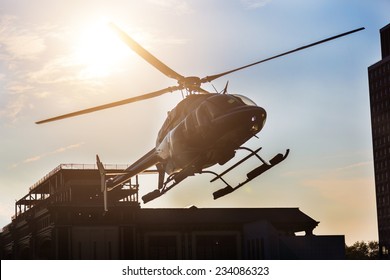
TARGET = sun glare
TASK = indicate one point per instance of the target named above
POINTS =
(99, 51)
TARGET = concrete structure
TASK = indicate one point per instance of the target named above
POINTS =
(62, 218)
(379, 83)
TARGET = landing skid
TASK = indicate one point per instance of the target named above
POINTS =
(176, 178)
(250, 175)
(171, 182)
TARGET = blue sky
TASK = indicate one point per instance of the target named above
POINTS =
(56, 57)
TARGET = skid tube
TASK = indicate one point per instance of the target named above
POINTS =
(250, 175)
(160, 191)
(170, 182)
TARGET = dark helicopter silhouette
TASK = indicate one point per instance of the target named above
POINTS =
(200, 131)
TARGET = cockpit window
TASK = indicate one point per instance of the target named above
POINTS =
(245, 99)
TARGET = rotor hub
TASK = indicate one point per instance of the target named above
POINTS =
(191, 83)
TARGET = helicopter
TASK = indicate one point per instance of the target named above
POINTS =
(204, 129)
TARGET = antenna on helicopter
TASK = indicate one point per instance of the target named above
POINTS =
(225, 89)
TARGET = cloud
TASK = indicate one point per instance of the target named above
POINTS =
(63, 149)
(18, 88)
(254, 4)
(355, 165)
(19, 43)
(57, 70)
(56, 151)
(179, 6)
(38, 60)
(14, 107)
(21, 48)
(36, 158)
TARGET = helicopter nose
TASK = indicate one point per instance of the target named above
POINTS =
(258, 120)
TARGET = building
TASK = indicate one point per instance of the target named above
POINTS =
(62, 217)
(379, 86)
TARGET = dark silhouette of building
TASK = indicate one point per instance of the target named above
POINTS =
(379, 85)
(62, 217)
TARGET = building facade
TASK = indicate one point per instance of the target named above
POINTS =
(62, 217)
(379, 87)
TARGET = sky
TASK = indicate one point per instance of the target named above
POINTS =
(59, 56)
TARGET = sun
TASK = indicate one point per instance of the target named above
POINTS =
(98, 51)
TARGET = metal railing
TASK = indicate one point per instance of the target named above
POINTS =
(77, 166)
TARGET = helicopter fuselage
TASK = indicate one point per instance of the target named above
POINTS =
(206, 129)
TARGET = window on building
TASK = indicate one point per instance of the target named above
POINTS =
(163, 247)
(219, 247)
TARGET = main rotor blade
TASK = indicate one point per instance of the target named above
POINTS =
(213, 77)
(113, 104)
(145, 54)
